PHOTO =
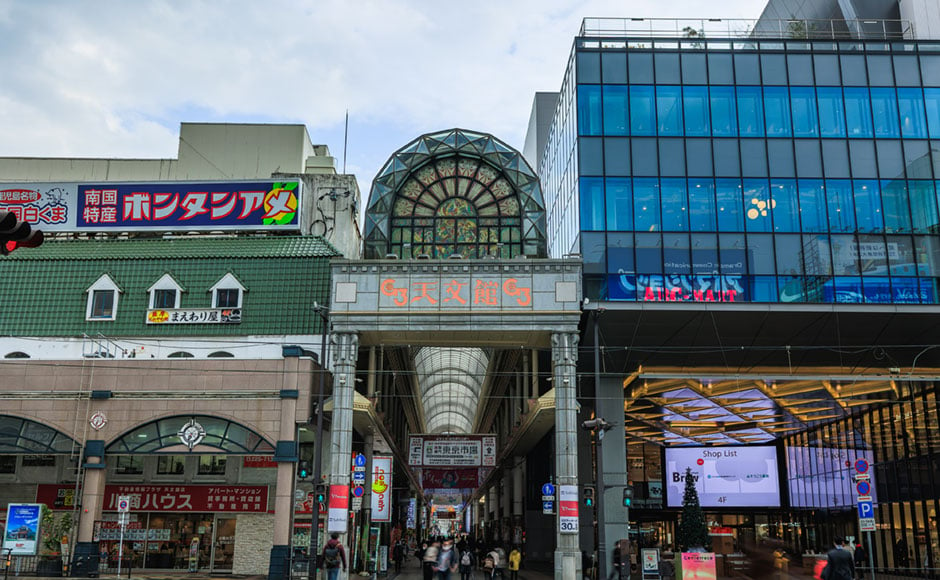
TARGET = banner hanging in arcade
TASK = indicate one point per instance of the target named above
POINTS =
(338, 512)
(381, 489)
(161, 206)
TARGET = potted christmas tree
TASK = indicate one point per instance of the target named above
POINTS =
(693, 536)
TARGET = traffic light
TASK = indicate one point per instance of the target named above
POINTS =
(627, 496)
(16, 234)
(321, 493)
(589, 496)
(303, 469)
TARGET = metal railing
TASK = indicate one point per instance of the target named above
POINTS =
(737, 28)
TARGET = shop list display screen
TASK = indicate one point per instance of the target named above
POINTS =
(724, 476)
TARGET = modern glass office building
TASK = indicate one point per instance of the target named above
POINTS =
(749, 169)
(757, 213)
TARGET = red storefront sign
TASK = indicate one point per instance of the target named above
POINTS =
(189, 498)
(259, 461)
(56, 496)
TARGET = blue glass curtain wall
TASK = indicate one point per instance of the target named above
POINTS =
(761, 176)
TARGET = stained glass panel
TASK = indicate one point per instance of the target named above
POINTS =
(427, 175)
(467, 167)
(446, 167)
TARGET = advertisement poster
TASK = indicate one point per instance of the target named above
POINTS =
(698, 566)
(163, 206)
(381, 488)
(650, 558)
(738, 476)
(338, 513)
(568, 509)
(451, 451)
(22, 532)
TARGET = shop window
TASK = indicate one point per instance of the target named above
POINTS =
(165, 293)
(102, 299)
(171, 465)
(7, 463)
(211, 465)
(129, 465)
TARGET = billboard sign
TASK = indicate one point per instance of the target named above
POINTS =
(568, 509)
(381, 489)
(741, 476)
(339, 509)
(452, 451)
(21, 536)
(159, 206)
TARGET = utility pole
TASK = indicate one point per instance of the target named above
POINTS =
(323, 313)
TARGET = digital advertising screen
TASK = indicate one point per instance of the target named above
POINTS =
(729, 477)
(825, 477)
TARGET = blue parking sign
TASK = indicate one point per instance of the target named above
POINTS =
(866, 509)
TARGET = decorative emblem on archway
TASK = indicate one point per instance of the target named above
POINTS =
(192, 434)
(98, 421)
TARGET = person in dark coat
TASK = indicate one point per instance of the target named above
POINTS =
(840, 565)
(861, 559)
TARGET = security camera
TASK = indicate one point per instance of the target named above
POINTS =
(597, 423)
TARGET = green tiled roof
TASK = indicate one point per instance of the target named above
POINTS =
(43, 290)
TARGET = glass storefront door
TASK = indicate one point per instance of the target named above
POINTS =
(223, 544)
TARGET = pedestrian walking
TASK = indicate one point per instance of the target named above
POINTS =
(334, 556)
(467, 562)
(840, 565)
(515, 559)
(861, 559)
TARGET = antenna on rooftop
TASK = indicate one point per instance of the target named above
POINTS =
(345, 140)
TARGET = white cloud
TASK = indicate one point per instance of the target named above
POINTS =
(115, 79)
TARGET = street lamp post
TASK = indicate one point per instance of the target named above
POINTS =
(323, 313)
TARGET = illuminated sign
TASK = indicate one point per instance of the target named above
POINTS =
(381, 489)
(682, 288)
(452, 451)
(740, 476)
(160, 206)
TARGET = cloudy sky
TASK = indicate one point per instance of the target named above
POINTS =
(116, 78)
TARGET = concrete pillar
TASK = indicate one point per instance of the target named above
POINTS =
(506, 497)
(284, 492)
(345, 353)
(86, 549)
(564, 362)
(613, 517)
(518, 504)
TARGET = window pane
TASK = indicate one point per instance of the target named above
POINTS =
(831, 112)
(746, 69)
(827, 69)
(698, 157)
(705, 254)
(676, 254)
(808, 159)
(884, 106)
(800, 69)
(862, 155)
(897, 209)
(729, 199)
(858, 112)
(789, 250)
(227, 297)
(171, 464)
(780, 157)
(835, 158)
(723, 110)
(695, 104)
(923, 207)
(669, 110)
(879, 71)
(671, 157)
(757, 204)
(750, 112)
(732, 253)
(890, 160)
(784, 204)
(616, 156)
(932, 102)
(620, 253)
(129, 465)
(725, 155)
(901, 256)
(593, 253)
(644, 155)
(589, 110)
(164, 299)
(619, 204)
(853, 70)
(590, 155)
(614, 67)
(812, 205)
(649, 254)
(773, 69)
(667, 68)
(642, 112)
(911, 108)
(211, 465)
(702, 210)
(873, 255)
(615, 110)
(906, 71)
(646, 205)
(641, 68)
(102, 304)
(927, 251)
(592, 203)
(675, 205)
(720, 71)
(841, 205)
(760, 254)
(753, 158)
(844, 256)
(930, 69)
(867, 206)
(777, 111)
(693, 69)
(816, 257)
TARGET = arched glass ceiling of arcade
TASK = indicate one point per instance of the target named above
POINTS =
(454, 193)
